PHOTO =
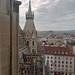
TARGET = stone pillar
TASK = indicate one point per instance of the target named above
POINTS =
(4, 44)
(15, 24)
(9, 38)
(4, 38)
(0, 54)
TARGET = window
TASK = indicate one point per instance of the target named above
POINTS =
(51, 68)
(70, 58)
(58, 52)
(51, 61)
(66, 58)
(55, 65)
(51, 57)
(25, 71)
(55, 52)
(66, 69)
(47, 61)
(66, 65)
(27, 35)
(27, 43)
(58, 61)
(62, 65)
(62, 52)
(66, 74)
(33, 43)
(70, 74)
(33, 51)
(27, 67)
(70, 66)
(70, 62)
(47, 57)
(58, 65)
(66, 62)
(66, 52)
(51, 65)
(58, 57)
(55, 61)
(62, 62)
(55, 57)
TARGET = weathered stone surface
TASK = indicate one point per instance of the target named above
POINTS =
(4, 45)
(8, 50)
(4, 6)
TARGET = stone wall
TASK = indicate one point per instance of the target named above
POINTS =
(9, 39)
(4, 44)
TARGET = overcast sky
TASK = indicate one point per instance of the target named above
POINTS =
(50, 14)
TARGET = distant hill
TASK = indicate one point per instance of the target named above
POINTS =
(48, 33)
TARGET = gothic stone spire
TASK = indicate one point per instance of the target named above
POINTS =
(29, 10)
(29, 14)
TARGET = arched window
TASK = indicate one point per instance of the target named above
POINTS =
(33, 43)
(33, 51)
(27, 43)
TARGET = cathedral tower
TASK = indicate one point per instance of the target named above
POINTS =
(30, 32)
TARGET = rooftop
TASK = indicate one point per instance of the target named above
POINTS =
(61, 51)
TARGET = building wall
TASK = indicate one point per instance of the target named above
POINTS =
(4, 44)
(9, 47)
(67, 66)
(15, 43)
(50, 59)
(58, 66)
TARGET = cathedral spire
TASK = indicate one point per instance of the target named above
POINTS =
(29, 6)
(29, 14)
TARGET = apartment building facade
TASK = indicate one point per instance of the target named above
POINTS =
(60, 59)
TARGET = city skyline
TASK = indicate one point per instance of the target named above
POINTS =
(50, 14)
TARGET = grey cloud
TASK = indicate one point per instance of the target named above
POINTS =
(51, 14)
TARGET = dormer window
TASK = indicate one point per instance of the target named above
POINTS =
(58, 52)
(66, 52)
(62, 52)
(55, 52)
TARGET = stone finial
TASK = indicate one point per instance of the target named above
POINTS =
(16, 6)
(29, 14)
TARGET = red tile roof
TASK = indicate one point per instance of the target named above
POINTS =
(61, 51)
